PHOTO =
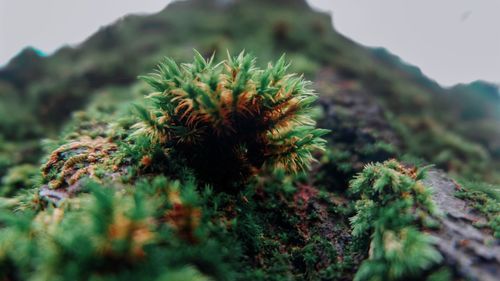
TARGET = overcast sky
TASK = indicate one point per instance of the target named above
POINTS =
(452, 41)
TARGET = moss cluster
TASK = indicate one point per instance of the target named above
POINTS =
(392, 202)
(135, 191)
(230, 119)
(74, 160)
(485, 199)
(133, 200)
(113, 218)
(108, 235)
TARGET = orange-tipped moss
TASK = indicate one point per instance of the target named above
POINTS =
(230, 119)
(75, 160)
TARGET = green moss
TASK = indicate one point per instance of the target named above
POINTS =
(135, 225)
(18, 178)
(391, 202)
(485, 199)
(126, 235)
(248, 117)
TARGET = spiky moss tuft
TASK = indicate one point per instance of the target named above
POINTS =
(230, 119)
(392, 201)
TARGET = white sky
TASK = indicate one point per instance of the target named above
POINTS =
(452, 41)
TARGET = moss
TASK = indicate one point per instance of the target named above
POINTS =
(135, 224)
(72, 161)
(270, 225)
(84, 237)
(391, 201)
(18, 178)
(248, 117)
(484, 198)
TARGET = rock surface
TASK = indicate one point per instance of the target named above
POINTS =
(473, 253)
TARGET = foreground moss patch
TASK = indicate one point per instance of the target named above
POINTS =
(392, 203)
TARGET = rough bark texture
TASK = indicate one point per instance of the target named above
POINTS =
(473, 253)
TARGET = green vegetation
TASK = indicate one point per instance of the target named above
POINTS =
(213, 175)
(99, 212)
(484, 198)
(455, 128)
(17, 178)
(106, 235)
(236, 115)
(392, 201)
